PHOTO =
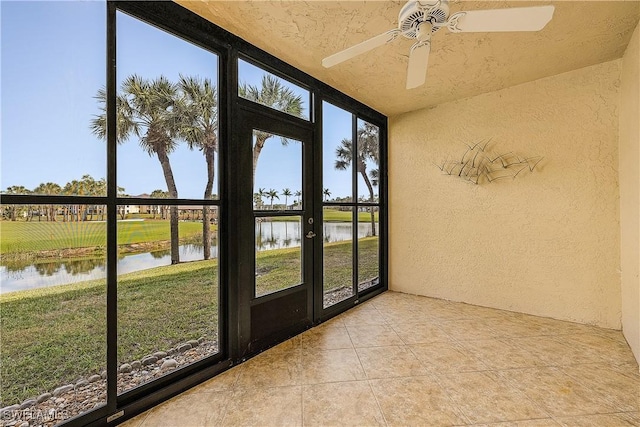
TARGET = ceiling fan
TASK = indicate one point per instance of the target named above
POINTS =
(419, 19)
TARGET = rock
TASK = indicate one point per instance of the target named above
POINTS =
(62, 390)
(149, 360)
(94, 378)
(82, 383)
(160, 354)
(103, 374)
(201, 340)
(44, 396)
(23, 424)
(184, 347)
(125, 367)
(171, 351)
(169, 364)
(144, 373)
(136, 364)
(8, 409)
(60, 400)
(194, 343)
(28, 403)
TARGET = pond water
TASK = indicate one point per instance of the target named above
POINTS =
(269, 236)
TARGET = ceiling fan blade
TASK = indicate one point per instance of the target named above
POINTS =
(360, 48)
(495, 20)
(418, 63)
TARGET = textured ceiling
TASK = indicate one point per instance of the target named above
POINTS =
(581, 33)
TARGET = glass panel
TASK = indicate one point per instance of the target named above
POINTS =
(337, 234)
(368, 247)
(53, 62)
(336, 154)
(167, 114)
(368, 161)
(278, 253)
(262, 87)
(167, 293)
(53, 311)
(277, 172)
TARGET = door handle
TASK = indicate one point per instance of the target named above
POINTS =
(311, 235)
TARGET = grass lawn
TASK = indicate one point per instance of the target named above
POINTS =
(25, 237)
(53, 336)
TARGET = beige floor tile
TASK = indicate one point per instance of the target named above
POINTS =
(326, 338)
(388, 362)
(271, 369)
(420, 333)
(442, 357)
(469, 329)
(599, 420)
(278, 406)
(542, 422)
(483, 399)
(556, 392)
(600, 345)
(340, 404)
(553, 352)
(373, 335)
(322, 366)
(190, 409)
(620, 390)
(501, 354)
(415, 401)
(515, 326)
(404, 315)
(135, 421)
(364, 314)
(224, 381)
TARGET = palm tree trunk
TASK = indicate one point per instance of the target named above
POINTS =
(370, 187)
(210, 155)
(173, 210)
(260, 140)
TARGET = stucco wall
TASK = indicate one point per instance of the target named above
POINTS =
(545, 243)
(630, 192)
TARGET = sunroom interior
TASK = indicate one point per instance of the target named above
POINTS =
(548, 236)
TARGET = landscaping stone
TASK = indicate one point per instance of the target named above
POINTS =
(28, 403)
(62, 390)
(184, 347)
(82, 383)
(125, 367)
(169, 364)
(193, 343)
(92, 394)
(45, 396)
(149, 360)
(160, 354)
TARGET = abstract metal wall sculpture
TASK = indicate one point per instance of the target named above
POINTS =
(479, 165)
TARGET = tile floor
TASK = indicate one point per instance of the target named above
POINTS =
(403, 360)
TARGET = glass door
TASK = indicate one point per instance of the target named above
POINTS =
(279, 296)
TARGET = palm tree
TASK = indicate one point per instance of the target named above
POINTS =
(286, 193)
(272, 94)
(160, 194)
(298, 195)
(13, 209)
(272, 194)
(261, 194)
(326, 194)
(198, 110)
(367, 150)
(49, 188)
(145, 109)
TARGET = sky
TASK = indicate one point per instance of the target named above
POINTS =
(52, 64)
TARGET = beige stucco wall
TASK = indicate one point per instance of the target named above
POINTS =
(629, 170)
(545, 243)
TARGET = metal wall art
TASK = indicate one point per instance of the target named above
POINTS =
(480, 165)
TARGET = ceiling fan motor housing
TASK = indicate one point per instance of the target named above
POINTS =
(415, 12)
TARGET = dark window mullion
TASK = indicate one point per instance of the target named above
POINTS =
(354, 192)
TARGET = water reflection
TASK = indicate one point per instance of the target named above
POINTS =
(270, 235)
